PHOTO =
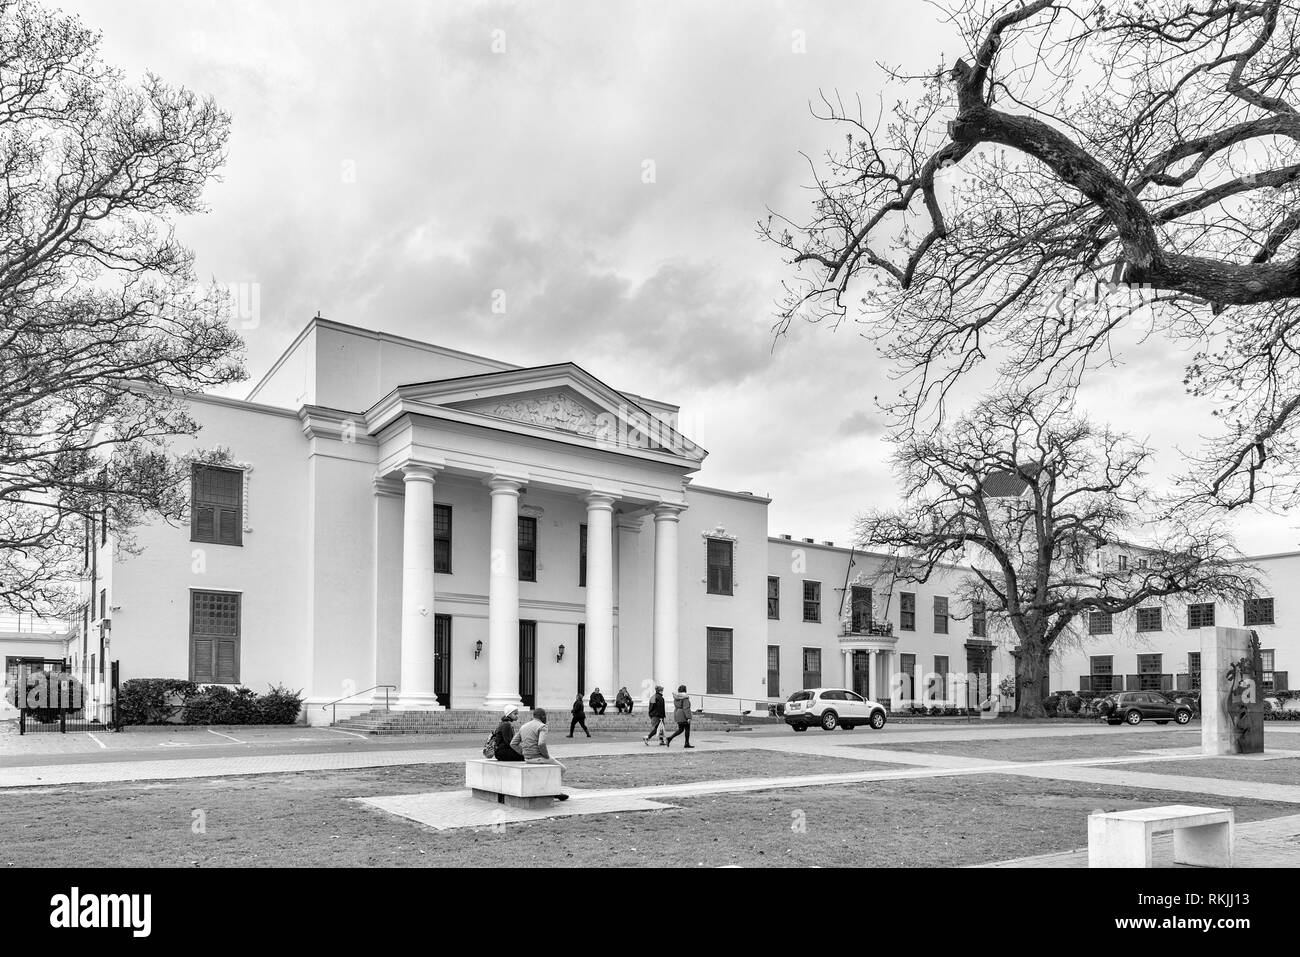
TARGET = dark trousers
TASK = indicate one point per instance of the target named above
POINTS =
(599, 708)
(508, 754)
(656, 724)
(579, 719)
(624, 707)
(682, 726)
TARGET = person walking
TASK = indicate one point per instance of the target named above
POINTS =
(505, 734)
(682, 715)
(597, 702)
(657, 713)
(579, 716)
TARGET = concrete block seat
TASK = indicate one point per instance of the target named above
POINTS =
(1202, 836)
(515, 783)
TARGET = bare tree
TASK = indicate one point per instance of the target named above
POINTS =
(1029, 497)
(1146, 150)
(102, 327)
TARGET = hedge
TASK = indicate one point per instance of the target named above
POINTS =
(169, 701)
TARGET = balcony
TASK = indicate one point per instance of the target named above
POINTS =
(867, 629)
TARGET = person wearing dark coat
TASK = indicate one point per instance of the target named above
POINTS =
(657, 714)
(598, 703)
(623, 701)
(506, 734)
(579, 716)
(682, 715)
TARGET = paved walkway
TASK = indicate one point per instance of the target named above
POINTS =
(1271, 843)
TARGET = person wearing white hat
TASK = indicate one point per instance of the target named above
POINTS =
(505, 734)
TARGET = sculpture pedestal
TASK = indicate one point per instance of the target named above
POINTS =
(1232, 699)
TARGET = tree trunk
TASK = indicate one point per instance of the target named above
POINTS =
(1031, 668)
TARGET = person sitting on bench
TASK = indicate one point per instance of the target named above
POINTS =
(530, 741)
(506, 734)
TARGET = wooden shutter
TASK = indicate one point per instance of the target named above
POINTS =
(214, 637)
(204, 525)
(1279, 681)
(719, 562)
(1166, 682)
(203, 670)
(227, 668)
(1085, 682)
(1182, 682)
(1133, 683)
(719, 661)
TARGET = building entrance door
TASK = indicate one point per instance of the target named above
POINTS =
(442, 659)
(528, 663)
(862, 673)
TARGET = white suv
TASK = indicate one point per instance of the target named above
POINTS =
(831, 708)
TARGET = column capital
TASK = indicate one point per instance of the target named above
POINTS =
(600, 500)
(418, 472)
(505, 484)
(668, 512)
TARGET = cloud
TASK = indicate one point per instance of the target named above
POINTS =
(861, 423)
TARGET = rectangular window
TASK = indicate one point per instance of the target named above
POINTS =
(103, 603)
(1266, 659)
(1200, 615)
(214, 637)
(216, 505)
(940, 615)
(1123, 563)
(582, 556)
(979, 621)
(941, 673)
(1258, 611)
(527, 548)
(812, 601)
(719, 559)
(773, 598)
(1194, 668)
(1150, 619)
(1103, 672)
(906, 611)
(860, 609)
(774, 671)
(812, 667)
(1149, 677)
(442, 539)
(1100, 623)
(718, 673)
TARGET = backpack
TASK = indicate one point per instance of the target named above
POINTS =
(490, 749)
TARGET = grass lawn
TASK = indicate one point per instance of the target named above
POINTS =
(1117, 742)
(306, 820)
(1277, 771)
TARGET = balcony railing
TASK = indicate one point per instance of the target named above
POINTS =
(873, 629)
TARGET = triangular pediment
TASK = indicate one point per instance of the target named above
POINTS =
(564, 400)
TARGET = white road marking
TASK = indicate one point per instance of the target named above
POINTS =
(231, 737)
(353, 733)
(97, 741)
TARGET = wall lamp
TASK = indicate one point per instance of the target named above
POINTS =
(559, 654)
(478, 648)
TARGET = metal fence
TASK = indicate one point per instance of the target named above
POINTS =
(52, 699)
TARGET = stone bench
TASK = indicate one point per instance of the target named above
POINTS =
(513, 782)
(1202, 836)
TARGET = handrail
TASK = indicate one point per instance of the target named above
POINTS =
(760, 704)
(332, 705)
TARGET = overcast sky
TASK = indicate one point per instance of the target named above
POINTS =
(389, 169)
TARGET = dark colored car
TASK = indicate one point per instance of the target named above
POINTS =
(1134, 707)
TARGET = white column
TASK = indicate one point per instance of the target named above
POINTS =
(848, 670)
(600, 592)
(664, 667)
(503, 595)
(873, 676)
(417, 679)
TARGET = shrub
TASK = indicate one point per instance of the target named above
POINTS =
(1073, 703)
(279, 705)
(152, 700)
(1051, 703)
(217, 704)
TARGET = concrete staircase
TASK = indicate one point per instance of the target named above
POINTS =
(384, 722)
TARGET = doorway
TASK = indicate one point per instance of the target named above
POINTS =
(528, 663)
(862, 673)
(442, 659)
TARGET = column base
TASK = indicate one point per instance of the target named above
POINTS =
(499, 702)
(417, 701)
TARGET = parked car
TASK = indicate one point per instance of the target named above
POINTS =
(831, 708)
(1133, 707)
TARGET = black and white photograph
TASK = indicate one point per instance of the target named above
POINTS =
(851, 440)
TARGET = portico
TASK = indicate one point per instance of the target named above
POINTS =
(554, 436)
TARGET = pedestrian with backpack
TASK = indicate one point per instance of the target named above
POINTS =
(579, 716)
(682, 715)
(657, 714)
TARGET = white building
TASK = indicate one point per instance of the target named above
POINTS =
(386, 512)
